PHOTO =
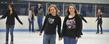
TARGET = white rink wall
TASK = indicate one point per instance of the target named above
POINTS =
(86, 26)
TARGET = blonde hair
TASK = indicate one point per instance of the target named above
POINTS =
(53, 5)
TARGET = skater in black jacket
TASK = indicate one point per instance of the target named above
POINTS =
(72, 26)
(11, 14)
(99, 21)
(51, 23)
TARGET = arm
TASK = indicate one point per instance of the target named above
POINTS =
(33, 13)
(64, 26)
(4, 16)
(59, 27)
(97, 18)
(46, 18)
(29, 15)
(79, 26)
(83, 19)
(18, 18)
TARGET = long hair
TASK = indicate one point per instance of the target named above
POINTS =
(12, 6)
(53, 5)
(76, 11)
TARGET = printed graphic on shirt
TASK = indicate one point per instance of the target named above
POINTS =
(50, 20)
(71, 24)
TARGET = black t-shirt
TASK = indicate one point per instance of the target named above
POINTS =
(51, 23)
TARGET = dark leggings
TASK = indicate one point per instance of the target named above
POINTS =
(9, 28)
(99, 25)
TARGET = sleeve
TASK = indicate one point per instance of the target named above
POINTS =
(97, 18)
(83, 19)
(59, 27)
(17, 18)
(46, 18)
(64, 26)
(4, 16)
(79, 27)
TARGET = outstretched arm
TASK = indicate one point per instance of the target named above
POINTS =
(97, 18)
(18, 18)
(4, 16)
(83, 19)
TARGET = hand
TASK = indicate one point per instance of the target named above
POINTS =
(60, 38)
(86, 21)
(21, 23)
(40, 34)
(77, 38)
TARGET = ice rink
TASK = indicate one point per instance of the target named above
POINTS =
(34, 38)
(87, 8)
(22, 36)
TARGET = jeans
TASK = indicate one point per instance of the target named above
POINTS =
(49, 39)
(31, 25)
(40, 19)
(99, 25)
(9, 28)
(68, 40)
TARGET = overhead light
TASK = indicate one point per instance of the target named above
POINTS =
(1, 2)
(5, 2)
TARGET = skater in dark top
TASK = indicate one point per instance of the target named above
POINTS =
(99, 21)
(51, 23)
(10, 14)
(40, 16)
(72, 26)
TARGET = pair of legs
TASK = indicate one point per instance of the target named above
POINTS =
(69, 40)
(49, 39)
(99, 25)
(40, 19)
(31, 25)
(9, 28)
